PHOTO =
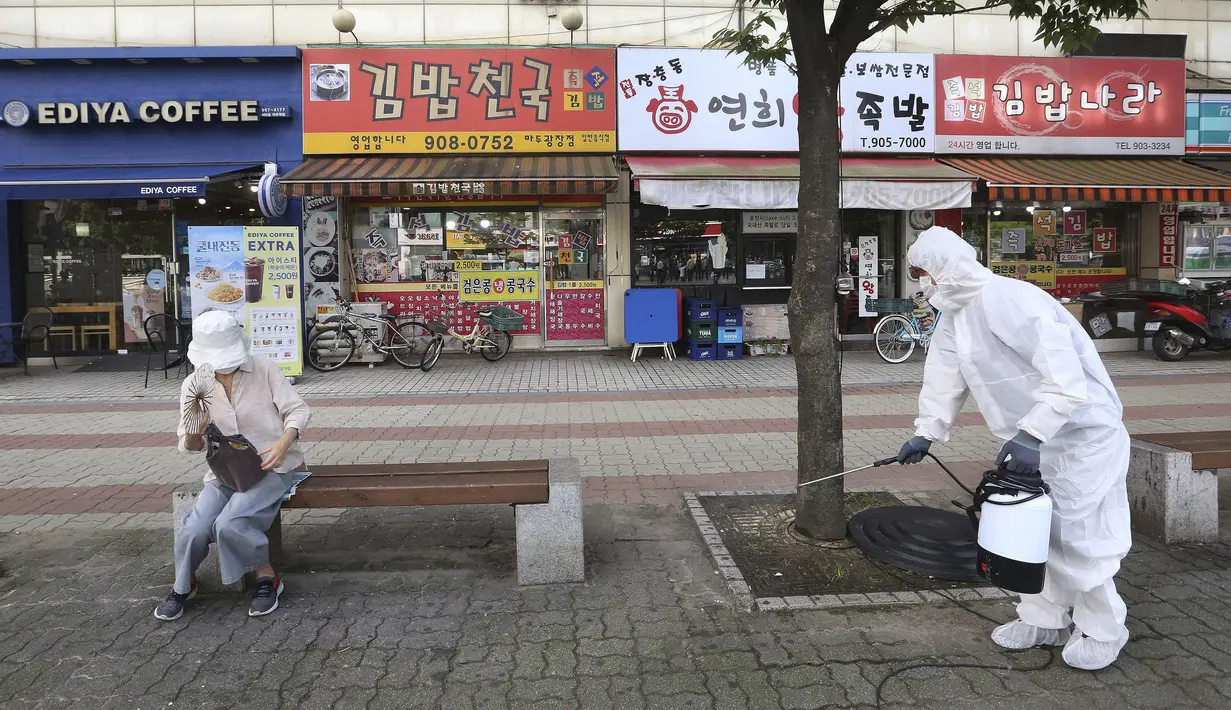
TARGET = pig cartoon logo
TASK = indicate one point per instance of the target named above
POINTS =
(672, 112)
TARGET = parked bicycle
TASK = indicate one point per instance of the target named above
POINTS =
(334, 343)
(898, 333)
(490, 335)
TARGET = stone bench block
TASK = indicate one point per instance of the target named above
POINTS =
(550, 541)
(1170, 501)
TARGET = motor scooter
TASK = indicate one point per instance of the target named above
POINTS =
(1182, 324)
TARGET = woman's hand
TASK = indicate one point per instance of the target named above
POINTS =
(273, 457)
(195, 441)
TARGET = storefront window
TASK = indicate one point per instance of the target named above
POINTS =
(766, 261)
(572, 248)
(1066, 250)
(881, 228)
(107, 266)
(685, 252)
(396, 244)
(1207, 238)
(974, 230)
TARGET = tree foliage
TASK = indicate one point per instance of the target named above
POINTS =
(1065, 24)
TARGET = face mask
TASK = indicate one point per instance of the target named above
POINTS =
(929, 287)
(227, 371)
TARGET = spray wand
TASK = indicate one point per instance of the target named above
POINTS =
(886, 462)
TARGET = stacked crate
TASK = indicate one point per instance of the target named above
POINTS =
(730, 334)
(701, 318)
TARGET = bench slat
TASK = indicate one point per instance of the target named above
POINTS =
(420, 469)
(357, 491)
(1210, 449)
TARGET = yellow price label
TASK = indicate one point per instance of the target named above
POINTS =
(498, 285)
(467, 265)
(1039, 273)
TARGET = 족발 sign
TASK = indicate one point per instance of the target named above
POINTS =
(1045, 105)
(489, 286)
(693, 100)
(447, 101)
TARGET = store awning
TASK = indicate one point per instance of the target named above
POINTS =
(773, 183)
(1097, 179)
(148, 181)
(406, 176)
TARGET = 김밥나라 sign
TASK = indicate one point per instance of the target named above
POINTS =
(496, 100)
(707, 100)
(1048, 105)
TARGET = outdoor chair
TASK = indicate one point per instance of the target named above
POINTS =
(164, 332)
(34, 328)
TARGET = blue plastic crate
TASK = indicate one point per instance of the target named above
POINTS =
(700, 309)
(731, 335)
(702, 351)
(729, 351)
(730, 317)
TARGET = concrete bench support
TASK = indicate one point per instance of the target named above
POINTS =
(1170, 501)
(550, 543)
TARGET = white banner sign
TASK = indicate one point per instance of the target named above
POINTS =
(697, 100)
(869, 270)
(784, 194)
(770, 222)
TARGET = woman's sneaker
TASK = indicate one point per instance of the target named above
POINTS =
(265, 600)
(172, 607)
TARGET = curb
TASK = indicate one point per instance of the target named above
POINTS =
(745, 601)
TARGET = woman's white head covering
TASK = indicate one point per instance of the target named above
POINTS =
(218, 340)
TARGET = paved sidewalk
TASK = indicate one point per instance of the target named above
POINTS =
(410, 610)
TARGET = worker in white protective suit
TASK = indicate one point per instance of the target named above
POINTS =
(1040, 386)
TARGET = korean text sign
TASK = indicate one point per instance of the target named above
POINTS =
(692, 100)
(477, 101)
(1168, 234)
(495, 286)
(253, 274)
(1078, 105)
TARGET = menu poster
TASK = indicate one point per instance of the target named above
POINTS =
(575, 310)
(253, 274)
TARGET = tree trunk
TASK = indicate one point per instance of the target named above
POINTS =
(812, 306)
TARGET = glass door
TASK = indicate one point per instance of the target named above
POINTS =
(575, 275)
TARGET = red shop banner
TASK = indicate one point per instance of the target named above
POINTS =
(1064, 106)
(497, 100)
(575, 310)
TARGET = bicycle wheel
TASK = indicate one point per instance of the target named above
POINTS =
(407, 343)
(496, 345)
(895, 339)
(330, 349)
(431, 354)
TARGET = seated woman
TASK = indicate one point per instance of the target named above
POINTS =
(253, 399)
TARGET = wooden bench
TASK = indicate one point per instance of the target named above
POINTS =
(546, 496)
(1173, 484)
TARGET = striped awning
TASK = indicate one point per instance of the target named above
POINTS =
(413, 176)
(1096, 179)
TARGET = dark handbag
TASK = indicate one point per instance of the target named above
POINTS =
(233, 459)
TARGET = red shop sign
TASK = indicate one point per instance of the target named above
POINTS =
(1168, 234)
(1069, 106)
(497, 100)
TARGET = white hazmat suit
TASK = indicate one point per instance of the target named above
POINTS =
(1033, 370)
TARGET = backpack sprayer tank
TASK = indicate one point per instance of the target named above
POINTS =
(1012, 513)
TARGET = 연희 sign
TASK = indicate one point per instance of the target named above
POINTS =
(1072, 106)
(693, 100)
(495, 100)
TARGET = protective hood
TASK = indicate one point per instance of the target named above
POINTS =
(953, 264)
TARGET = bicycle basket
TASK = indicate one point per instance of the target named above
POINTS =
(505, 318)
(437, 327)
(891, 305)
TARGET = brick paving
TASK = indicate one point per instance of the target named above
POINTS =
(419, 609)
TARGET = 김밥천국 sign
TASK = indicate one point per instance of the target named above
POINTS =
(497, 100)
(1048, 105)
(693, 100)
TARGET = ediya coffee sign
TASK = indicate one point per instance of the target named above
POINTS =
(64, 113)
(1067, 106)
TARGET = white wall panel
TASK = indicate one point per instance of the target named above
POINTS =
(616, 24)
(1218, 10)
(305, 24)
(389, 23)
(1196, 47)
(1179, 9)
(75, 26)
(235, 24)
(153, 26)
(982, 34)
(694, 26)
(1219, 45)
(465, 22)
(935, 34)
(17, 26)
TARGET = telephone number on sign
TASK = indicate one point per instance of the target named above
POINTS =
(893, 142)
(1150, 145)
(458, 142)
(495, 143)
